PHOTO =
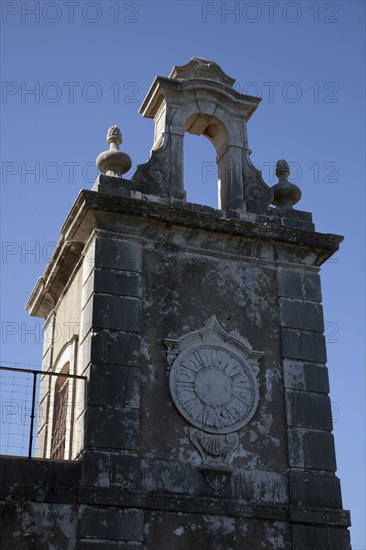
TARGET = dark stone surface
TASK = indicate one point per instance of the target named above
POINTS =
(311, 285)
(39, 480)
(302, 315)
(309, 410)
(117, 253)
(316, 378)
(114, 347)
(290, 283)
(319, 538)
(311, 377)
(167, 531)
(311, 449)
(95, 468)
(108, 281)
(111, 523)
(114, 385)
(116, 313)
(318, 490)
(339, 518)
(88, 544)
(319, 451)
(303, 345)
(125, 472)
(112, 428)
(300, 284)
(37, 525)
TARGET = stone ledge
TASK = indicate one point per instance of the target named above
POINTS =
(180, 503)
(90, 206)
(323, 516)
(104, 544)
(201, 505)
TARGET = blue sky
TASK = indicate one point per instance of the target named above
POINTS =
(90, 65)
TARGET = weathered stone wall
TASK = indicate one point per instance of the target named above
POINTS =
(182, 288)
(38, 504)
(67, 314)
(61, 329)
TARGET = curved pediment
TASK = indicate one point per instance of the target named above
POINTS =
(198, 67)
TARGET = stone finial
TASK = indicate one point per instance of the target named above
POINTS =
(286, 194)
(113, 162)
(198, 67)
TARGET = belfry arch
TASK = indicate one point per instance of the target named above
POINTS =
(200, 170)
(199, 98)
(214, 129)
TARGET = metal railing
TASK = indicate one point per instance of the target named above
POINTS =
(20, 394)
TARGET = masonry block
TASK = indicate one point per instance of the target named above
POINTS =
(115, 253)
(305, 345)
(308, 410)
(95, 469)
(110, 523)
(319, 538)
(311, 286)
(311, 449)
(295, 448)
(290, 283)
(125, 472)
(160, 476)
(303, 285)
(300, 314)
(109, 346)
(121, 283)
(116, 347)
(113, 428)
(316, 377)
(319, 451)
(116, 312)
(315, 489)
(114, 385)
(305, 376)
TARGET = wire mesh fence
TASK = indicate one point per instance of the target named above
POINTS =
(41, 413)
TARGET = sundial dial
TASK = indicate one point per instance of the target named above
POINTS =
(213, 384)
(213, 389)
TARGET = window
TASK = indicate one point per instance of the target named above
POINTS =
(61, 395)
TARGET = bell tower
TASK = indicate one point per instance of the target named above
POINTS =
(206, 421)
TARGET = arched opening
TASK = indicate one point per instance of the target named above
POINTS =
(59, 417)
(200, 170)
(202, 173)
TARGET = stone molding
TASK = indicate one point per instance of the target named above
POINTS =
(89, 206)
(213, 384)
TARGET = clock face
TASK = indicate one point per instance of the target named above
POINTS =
(213, 388)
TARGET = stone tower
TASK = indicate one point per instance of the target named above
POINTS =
(206, 423)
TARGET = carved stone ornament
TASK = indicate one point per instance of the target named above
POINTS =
(113, 162)
(213, 384)
(286, 194)
(198, 67)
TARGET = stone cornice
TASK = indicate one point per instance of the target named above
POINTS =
(85, 215)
